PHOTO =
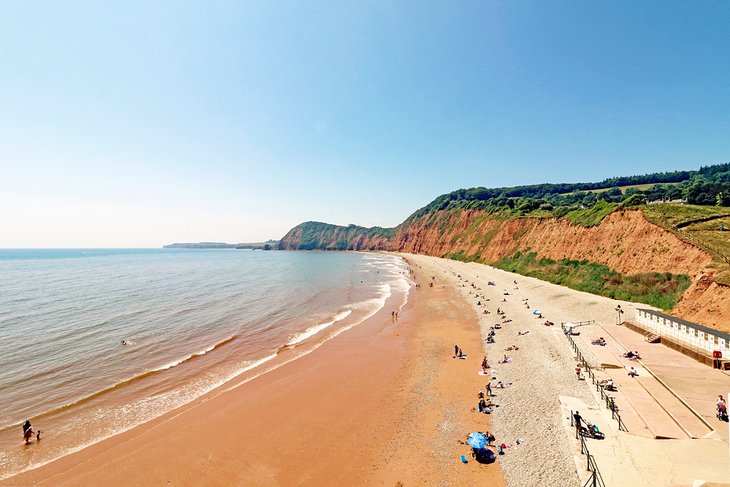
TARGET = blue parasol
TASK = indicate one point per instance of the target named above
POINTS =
(536, 312)
(477, 440)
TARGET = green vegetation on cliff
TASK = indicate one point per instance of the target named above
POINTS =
(590, 217)
(662, 290)
(707, 227)
(710, 185)
(325, 236)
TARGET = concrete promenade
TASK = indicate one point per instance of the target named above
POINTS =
(673, 435)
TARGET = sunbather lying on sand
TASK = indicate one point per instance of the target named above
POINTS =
(505, 360)
(523, 332)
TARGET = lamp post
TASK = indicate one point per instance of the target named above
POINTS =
(619, 312)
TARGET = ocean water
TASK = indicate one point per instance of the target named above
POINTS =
(94, 342)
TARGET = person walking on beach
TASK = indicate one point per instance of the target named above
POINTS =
(489, 388)
(485, 365)
(456, 350)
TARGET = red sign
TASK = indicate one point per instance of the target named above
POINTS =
(717, 354)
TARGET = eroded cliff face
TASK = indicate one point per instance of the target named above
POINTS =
(624, 241)
(706, 302)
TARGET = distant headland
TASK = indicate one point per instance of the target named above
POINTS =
(268, 245)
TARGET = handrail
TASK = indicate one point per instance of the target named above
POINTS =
(595, 479)
(609, 405)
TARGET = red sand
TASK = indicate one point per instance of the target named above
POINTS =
(383, 403)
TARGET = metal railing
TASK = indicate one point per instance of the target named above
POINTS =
(610, 402)
(595, 479)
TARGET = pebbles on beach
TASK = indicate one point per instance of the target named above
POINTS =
(542, 370)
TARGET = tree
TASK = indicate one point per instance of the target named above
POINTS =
(723, 197)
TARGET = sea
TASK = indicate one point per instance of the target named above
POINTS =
(94, 342)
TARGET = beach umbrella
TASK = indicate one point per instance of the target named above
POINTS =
(477, 440)
(536, 312)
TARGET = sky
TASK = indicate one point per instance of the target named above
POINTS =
(136, 124)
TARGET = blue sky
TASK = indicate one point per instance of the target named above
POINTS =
(138, 124)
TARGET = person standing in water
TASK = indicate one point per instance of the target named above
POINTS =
(28, 432)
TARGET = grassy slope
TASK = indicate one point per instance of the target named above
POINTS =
(590, 217)
(662, 290)
(686, 221)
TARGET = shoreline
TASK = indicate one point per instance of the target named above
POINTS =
(97, 415)
(348, 396)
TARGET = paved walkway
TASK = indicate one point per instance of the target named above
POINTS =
(666, 400)
(697, 384)
(663, 414)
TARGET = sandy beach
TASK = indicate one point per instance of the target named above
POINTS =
(533, 417)
(383, 403)
(387, 403)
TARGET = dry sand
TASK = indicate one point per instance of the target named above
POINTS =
(382, 404)
(542, 370)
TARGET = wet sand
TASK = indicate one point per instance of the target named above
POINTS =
(382, 403)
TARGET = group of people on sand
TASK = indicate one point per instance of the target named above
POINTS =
(485, 404)
(482, 454)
